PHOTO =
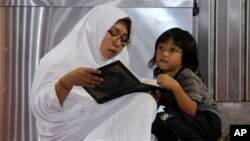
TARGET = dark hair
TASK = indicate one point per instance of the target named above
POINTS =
(185, 41)
(129, 24)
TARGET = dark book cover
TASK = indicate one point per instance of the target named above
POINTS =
(118, 81)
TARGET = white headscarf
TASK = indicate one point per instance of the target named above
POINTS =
(80, 48)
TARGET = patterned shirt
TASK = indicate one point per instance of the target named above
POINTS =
(197, 90)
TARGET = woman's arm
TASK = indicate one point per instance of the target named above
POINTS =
(62, 91)
(85, 77)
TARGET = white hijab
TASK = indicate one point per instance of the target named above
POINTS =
(80, 48)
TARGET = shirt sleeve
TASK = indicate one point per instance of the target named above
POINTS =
(191, 84)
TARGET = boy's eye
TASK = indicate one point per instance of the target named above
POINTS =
(173, 49)
(160, 47)
(169, 50)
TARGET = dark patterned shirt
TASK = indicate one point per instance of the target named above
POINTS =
(197, 90)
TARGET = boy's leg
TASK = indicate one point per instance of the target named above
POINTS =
(173, 129)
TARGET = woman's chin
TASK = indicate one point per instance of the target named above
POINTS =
(109, 56)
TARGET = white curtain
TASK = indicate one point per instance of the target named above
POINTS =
(30, 28)
(3, 84)
(31, 32)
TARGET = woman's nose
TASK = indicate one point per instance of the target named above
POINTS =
(118, 43)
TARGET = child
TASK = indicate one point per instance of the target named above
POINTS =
(190, 112)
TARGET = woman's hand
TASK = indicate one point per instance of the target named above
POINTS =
(156, 95)
(85, 77)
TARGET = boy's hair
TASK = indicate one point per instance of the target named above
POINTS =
(186, 42)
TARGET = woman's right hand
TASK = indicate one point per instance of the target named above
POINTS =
(85, 77)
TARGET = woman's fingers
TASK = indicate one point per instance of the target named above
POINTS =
(91, 77)
(92, 71)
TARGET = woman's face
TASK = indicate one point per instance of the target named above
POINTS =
(169, 57)
(115, 39)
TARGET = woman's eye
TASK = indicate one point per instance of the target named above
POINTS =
(124, 39)
(112, 33)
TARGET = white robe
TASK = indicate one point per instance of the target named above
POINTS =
(127, 118)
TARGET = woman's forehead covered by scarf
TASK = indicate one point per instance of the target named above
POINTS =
(93, 27)
(103, 18)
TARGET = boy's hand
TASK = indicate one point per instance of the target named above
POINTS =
(166, 81)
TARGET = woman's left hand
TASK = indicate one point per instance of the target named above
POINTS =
(156, 95)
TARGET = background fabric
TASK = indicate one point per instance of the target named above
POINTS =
(34, 27)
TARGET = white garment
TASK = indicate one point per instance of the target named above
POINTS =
(127, 118)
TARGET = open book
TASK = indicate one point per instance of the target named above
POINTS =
(118, 81)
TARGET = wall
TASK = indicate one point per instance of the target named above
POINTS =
(222, 31)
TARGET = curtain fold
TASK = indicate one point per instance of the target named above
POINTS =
(31, 32)
(3, 85)
(26, 41)
(30, 28)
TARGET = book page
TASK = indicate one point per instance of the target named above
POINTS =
(135, 75)
(150, 82)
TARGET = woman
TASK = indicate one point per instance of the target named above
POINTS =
(64, 110)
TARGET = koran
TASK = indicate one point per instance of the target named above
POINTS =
(118, 81)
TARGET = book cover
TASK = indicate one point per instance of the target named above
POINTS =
(118, 81)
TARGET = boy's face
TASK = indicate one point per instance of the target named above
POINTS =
(114, 40)
(169, 57)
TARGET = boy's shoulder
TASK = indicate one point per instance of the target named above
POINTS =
(187, 73)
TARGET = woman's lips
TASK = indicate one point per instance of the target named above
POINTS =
(112, 52)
